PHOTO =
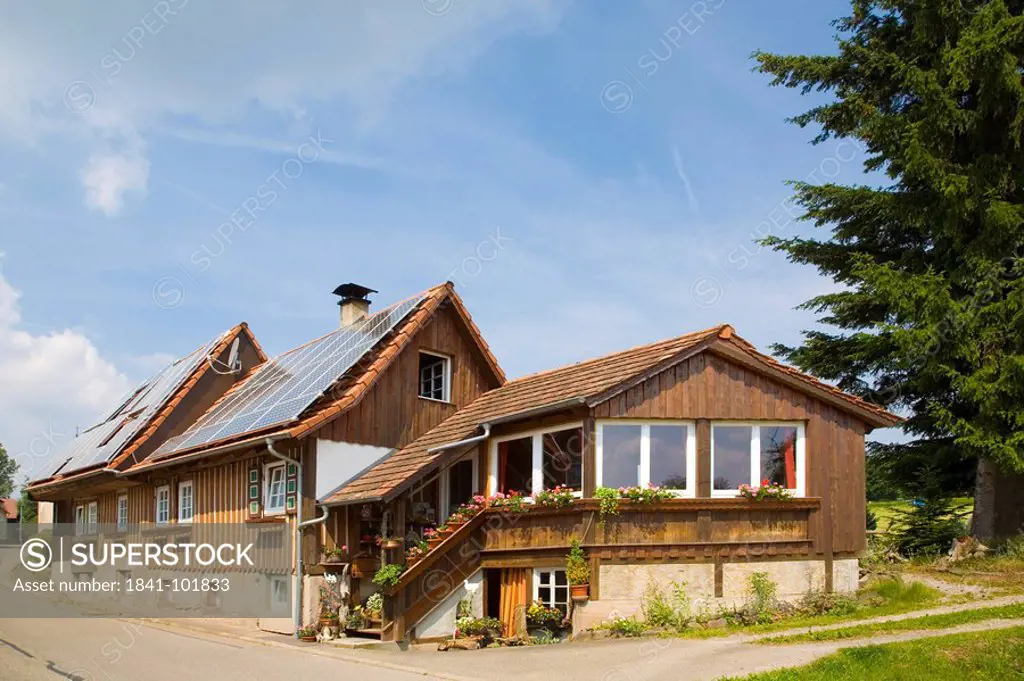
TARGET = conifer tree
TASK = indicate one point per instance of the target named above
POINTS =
(930, 248)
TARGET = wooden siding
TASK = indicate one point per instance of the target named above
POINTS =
(392, 414)
(710, 387)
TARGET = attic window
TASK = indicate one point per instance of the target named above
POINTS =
(435, 377)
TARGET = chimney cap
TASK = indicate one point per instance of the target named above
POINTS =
(351, 291)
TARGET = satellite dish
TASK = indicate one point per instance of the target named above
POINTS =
(232, 366)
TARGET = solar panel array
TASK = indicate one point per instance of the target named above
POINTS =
(282, 388)
(104, 441)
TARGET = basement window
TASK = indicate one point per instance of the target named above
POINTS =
(756, 453)
(551, 588)
(435, 377)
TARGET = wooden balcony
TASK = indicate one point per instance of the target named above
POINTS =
(679, 529)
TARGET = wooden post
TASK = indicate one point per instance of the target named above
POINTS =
(703, 458)
(589, 456)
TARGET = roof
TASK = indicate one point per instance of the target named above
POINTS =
(10, 508)
(108, 443)
(347, 391)
(590, 382)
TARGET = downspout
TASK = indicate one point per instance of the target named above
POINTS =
(462, 443)
(299, 525)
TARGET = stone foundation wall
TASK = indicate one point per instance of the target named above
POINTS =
(622, 586)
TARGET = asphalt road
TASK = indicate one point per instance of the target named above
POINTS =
(115, 650)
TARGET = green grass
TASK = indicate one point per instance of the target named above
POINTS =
(952, 619)
(995, 655)
(889, 597)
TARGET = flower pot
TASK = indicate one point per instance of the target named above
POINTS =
(433, 543)
(412, 560)
(453, 526)
(580, 592)
(365, 566)
(329, 622)
(308, 639)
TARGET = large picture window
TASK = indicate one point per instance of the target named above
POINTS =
(659, 453)
(751, 453)
(537, 460)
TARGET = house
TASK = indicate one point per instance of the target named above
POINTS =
(9, 515)
(373, 434)
(317, 415)
(699, 415)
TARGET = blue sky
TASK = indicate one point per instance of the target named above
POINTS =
(591, 175)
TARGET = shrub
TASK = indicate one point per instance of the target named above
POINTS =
(761, 606)
(822, 603)
(671, 612)
(388, 575)
(626, 626)
(929, 528)
(577, 570)
(871, 520)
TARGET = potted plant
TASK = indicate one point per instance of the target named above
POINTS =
(389, 542)
(416, 553)
(374, 606)
(443, 531)
(307, 634)
(388, 575)
(577, 572)
(336, 554)
(364, 565)
(541, 619)
(356, 619)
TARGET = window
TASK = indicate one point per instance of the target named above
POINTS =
(273, 488)
(542, 459)
(280, 598)
(752, 453)
(185, 502)
(79, 519)
(122, 513)
(435, 376)
(460, 483)
(660, 453)
(551, 588)
(163, 505)
(92, 518)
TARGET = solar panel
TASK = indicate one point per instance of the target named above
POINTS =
(105, 440)
(282, 388)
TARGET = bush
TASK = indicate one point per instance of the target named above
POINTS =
(761, 606)
(871, 521)
(822, 603)
(929, 528)
(672, 612)
(1013, 547)
(626, 626)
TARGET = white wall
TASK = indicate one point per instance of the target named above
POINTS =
(440, 621)
(340, 462)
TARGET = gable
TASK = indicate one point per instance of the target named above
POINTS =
(391, 413)
(709, 386)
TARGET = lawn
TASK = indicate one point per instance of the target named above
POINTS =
(996, 655)
(945, 621)
(888, 597)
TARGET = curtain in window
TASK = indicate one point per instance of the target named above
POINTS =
(789, 454)
(513, 600)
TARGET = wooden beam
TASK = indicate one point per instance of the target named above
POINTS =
(703, 458)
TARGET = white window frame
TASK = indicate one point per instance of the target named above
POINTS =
(445, 484)
(755, 455)
(80, 519)
(182, 486)
(267, 475)
(644, 476)
(446, 388)
(92, 517)
(122, 512)
(536, 586)
(537, 441)
(162, 490)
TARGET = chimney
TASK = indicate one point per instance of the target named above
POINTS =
(354, 304)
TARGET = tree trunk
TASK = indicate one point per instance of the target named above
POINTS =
(983, 522)
(998, 503)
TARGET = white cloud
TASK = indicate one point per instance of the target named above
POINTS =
(108, 177)
(52, 383)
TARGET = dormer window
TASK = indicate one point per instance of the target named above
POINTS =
(435, 377)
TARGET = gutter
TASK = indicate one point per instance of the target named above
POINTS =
(299, 525)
